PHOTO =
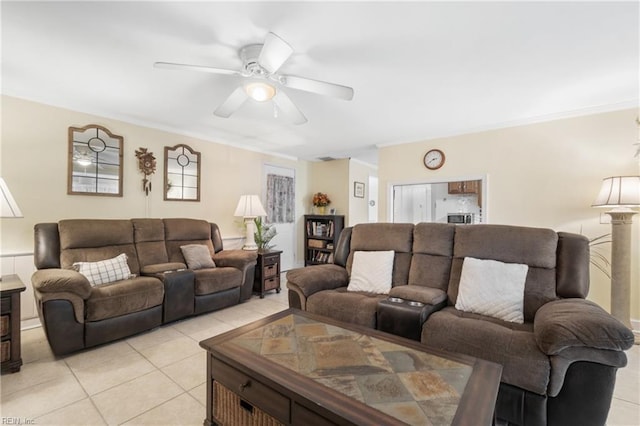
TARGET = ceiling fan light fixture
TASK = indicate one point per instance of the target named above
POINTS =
(260, 91)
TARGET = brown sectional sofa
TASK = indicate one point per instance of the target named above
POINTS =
(76, 315)
(559, 365)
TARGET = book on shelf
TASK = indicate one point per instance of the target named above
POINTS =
(318, 256)
(320, 229)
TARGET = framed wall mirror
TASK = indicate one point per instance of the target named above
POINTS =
(181, 173)
(460, 200)
(94, 161)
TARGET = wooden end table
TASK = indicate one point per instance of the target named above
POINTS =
(267, 272)
(10, 288)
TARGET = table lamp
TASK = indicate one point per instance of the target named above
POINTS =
(9, 206)
(249, 207)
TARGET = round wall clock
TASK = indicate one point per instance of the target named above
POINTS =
(434, 159)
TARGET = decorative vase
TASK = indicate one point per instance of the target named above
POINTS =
(322, 209)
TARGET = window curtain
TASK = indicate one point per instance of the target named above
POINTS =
(280, 199)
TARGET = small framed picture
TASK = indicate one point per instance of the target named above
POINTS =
(358, 189)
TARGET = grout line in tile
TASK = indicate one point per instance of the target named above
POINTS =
(622, 398)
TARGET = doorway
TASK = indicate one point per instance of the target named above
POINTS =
(279, 191)
(436, 201)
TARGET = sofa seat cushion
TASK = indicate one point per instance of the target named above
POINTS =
(213, 280)
(158, 268)
(510, 344)
(124, 297)
(348, 306)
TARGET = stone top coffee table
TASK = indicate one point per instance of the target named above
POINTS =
(297, 368)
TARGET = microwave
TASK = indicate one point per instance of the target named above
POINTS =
(460, 218)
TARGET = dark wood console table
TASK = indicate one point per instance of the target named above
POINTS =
(267, 272)
(10, 288)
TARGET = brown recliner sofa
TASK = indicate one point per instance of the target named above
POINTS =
(559, 365)
(76, 315)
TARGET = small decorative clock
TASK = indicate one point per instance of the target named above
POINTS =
(434, 159)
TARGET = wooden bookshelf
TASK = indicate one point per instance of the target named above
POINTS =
(321, 237)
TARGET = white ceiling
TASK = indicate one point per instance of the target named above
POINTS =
(419, 69)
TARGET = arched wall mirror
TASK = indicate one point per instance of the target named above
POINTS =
(181, 173)
(94, 161)
(456, 200)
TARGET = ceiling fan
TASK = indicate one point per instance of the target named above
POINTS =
(261, 63)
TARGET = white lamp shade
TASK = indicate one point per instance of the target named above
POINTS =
(619, 191)
(9, 206)
(260, 91)
(249, 206)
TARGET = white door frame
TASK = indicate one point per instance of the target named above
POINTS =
(286, 237)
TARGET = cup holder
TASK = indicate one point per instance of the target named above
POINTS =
(396, 300)
(414, 303)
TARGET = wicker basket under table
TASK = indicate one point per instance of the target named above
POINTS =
(231, 410)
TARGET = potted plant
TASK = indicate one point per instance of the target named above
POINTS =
(321, 201)
(264, 234)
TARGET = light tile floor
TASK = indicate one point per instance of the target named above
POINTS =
(158, 377)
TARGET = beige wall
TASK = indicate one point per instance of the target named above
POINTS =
(34, 164)
(336, 178)
(545, 174)
(331, 177)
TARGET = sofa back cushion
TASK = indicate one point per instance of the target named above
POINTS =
(149, 240)
(381, 237)
(46, 243)
(92, 240)
(572, 270)
(432, 254)
(535, 247)
(182, 232)
(216, 238)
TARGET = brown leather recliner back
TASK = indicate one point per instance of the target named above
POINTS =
(92, 240)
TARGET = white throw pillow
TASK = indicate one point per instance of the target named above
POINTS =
(371, 271)
(492, 288)
(197, 256)
(105, 271)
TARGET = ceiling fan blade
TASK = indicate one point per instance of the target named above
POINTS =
(232, 104)
(201, 68)
(288, 108)
(274, 53)
(317, 86)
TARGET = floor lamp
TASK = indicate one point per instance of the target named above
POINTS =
(249, 207)
(621, 193)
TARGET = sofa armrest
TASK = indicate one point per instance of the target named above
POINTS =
(572, 323)
(312, 279)
(303, 282)
(239, 259)
(560, 363)
(61, 281)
